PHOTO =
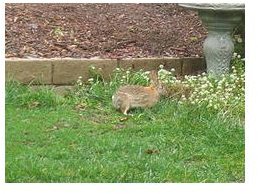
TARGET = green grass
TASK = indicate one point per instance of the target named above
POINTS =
(50, 139)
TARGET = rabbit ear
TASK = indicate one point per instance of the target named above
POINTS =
(162, 89)
(154, 80)
(154, 77)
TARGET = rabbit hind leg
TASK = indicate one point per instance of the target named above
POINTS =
(124, 108)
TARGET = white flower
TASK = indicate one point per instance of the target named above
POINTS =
(204, 86)
(232, 76)
(161, 66)
(92, 67)
(192, 102)
(239, 56)
(209, 105)
(172, 70)
(239, 40)
(204, 78)
(80, 77)
(183, 97)
(90, 79)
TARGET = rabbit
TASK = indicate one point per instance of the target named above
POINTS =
(133, 96)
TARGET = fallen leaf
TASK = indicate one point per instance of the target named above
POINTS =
(34, 104)
(81, 106)
(123, 119)
(152, 151)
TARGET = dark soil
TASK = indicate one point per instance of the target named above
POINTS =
(101, 30)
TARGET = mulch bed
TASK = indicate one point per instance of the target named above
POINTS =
(102, 31)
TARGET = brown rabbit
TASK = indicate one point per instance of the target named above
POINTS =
(133, 96)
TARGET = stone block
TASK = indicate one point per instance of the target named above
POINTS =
(193, 66)
(67, 71)
(175, 63)
(146, 64)
(29, 71)
(104, 66)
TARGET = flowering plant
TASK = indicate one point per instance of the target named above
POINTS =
(223, 93)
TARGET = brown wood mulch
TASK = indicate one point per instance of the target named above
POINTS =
(101, 30)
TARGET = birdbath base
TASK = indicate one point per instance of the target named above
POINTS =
(220, 20)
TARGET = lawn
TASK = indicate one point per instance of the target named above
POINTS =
(50, 138)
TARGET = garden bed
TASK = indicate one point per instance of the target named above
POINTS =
(102, 30)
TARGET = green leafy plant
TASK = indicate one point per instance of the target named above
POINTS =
(224, 93)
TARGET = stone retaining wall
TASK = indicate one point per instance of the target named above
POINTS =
(66, 71)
